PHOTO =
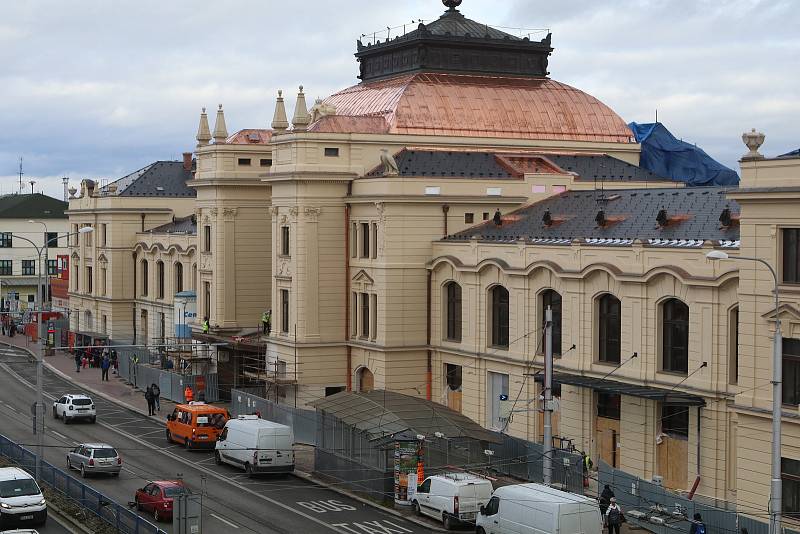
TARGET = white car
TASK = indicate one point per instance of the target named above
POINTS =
(21, 500)
(72, 407)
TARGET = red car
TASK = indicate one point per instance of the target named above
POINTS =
(157, 496)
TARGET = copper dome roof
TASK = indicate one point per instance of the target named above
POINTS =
(482, 106)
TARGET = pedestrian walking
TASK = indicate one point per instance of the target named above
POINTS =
(105, 365)
(614, 517)
(698, 527)
(12, 328)
(148, 396)
(114, 361)
(605, 499)
(587, 467)
(77, 362)
(156, 396)
(188, 394)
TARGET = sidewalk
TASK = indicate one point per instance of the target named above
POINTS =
(114, 389)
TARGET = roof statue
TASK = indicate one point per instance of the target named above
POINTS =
(220, 129)
(321, 109)
(203, 131)
(279, 121)
(390, 167)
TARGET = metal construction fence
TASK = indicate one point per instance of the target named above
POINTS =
(673, 510)
(116, 515)
(303, 422)
(170, 383)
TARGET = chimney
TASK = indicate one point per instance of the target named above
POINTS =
(187, 161)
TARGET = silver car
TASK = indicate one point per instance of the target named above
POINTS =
(90, 458)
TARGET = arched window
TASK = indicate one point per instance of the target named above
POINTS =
(675, 336)
(178, 277)
(145, 278)
(552, 299)
(453, 311)
(160, 278)
(499, 319)
(609, 328)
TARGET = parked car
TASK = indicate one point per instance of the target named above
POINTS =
(452, 498)
(21, 500)
(538, 509)
(90, 458)
(196, 424)
(157, 498)
(20, 531)
(71, 407)
(256, 445)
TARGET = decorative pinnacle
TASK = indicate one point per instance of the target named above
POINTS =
(452, 4)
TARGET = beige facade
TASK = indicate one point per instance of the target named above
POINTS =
(105, 278)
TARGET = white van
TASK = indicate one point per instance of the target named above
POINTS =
(538, 509)
(21, 500)
(452, 497)
(256, 445)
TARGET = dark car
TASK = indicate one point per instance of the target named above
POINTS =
(157, 497)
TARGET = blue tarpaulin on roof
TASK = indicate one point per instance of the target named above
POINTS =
(667, 156)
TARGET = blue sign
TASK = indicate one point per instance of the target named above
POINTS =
(503, 397)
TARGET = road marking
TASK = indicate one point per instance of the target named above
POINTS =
(158, 431)
(59, 434)
(234, 525)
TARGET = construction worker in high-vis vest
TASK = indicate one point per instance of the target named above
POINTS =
(205, 325)
(266, 322)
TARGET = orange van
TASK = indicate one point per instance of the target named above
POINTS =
(196, 424)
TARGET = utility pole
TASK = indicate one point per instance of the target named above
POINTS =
(547, 459)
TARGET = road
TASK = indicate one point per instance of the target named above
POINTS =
(232, 503)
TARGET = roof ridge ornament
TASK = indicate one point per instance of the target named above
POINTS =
(220, 129)
(203, 131)
(279, 120)
(452, 4)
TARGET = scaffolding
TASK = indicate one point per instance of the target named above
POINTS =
(186, 356)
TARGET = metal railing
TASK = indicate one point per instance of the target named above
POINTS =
(116, 515)
(303, 422)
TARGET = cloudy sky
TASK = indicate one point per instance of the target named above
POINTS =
(99, 88)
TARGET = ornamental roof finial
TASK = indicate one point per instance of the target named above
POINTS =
(452, 4)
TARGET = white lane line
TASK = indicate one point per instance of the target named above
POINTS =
(159, 431)
(234, 525)
(59, 434)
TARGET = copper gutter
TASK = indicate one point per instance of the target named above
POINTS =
(428, 373)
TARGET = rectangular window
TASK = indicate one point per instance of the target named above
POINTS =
(103, 281)
(160, 278)
(244, 162)
(331, 152)
(103, 235)
(538, 189)
(365, 316)
(353, 314)
(52, 267)
(75, 277)
(206, 300)
(373, 316)
(791, 371)
(28, 267)
(675, 421)
(790, 481)
(285, 240)
(374, 240)
(485, 215)
(265, 162)
(608, 405)
(87, 237)
(51, 239)
(207, 238)
(791, 256)
(365, 240)
(333, 390)
(285, 311)
(469, 218)
(74, 237)
(558, 189)
(354, 240)
(145, 279)
(5, 239)
(89, 280)
(104, 324)
(733, 346)
(497, 391)
(5, 267)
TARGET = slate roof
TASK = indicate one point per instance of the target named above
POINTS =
(380, 414)
(159, 179)
(179, 225)
(510, 166)
(792, 154)
(35, 206)
(604, 167)
(453, 23)
(693, 215)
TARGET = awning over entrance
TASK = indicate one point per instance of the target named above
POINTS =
(666, 396)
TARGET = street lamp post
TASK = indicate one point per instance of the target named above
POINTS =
(39, 406)
(776, 489)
